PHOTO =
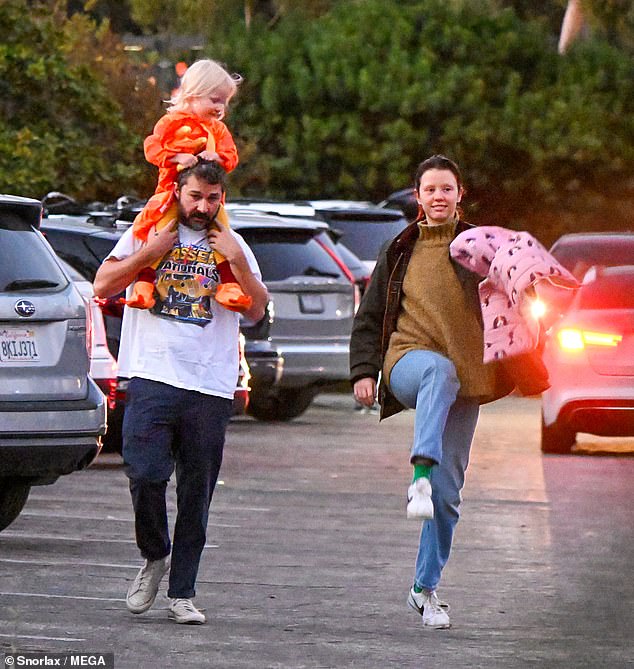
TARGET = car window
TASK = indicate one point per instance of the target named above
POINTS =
(578, 255)
(26, 263)
(284, 253)
(366, 237)
(608, 292)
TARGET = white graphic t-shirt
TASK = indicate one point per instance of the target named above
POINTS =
(187, 340)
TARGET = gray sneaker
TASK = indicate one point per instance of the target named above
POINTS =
(183, 611)
(142, 592)
(433, 610)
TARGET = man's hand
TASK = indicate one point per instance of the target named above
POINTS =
(159, 242)
(115, 275)
(365, 391)
(222, 240)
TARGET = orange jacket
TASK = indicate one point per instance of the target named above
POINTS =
(182, 132)
(179, 132)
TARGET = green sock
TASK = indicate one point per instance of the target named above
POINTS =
(421, 471)
(417, 588)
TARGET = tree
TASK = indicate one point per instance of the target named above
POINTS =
(62, 127)
(213, 19)
(349, 103)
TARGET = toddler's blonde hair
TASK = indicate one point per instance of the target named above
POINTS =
(203, 78)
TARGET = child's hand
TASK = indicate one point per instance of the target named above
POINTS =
(209, 155)
(184, 159)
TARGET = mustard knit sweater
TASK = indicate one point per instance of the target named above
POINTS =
(435, 314)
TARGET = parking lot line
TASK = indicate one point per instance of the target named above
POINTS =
(44, 595)
(69, 563)
(44, 537)
(39, 638)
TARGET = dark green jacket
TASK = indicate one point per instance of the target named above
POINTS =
(379, 309)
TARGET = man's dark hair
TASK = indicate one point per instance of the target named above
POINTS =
(205, 170)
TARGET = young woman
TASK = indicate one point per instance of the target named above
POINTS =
(419, 329)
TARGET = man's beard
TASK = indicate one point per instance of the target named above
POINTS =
(196, 221)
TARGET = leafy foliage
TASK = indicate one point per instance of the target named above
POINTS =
(342, 98)
(62, 128)
(348, 104)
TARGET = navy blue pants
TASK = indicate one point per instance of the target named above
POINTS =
(167, 428)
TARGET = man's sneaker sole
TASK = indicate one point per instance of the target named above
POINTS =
(182, 611)
(181, 621)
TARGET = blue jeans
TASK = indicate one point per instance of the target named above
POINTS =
(443, 431)
(167, 428)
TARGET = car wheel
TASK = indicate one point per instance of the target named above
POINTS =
(557, 438)
(13, 496)
(280, 404)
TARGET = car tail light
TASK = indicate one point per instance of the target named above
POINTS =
(110, 306)
(112, 392)
(572, 339)
(340, 263)
(346, 271)
(90, 335)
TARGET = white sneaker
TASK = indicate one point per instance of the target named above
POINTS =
(419, 504)
(183, 611)
(434, 611)
(142, 593)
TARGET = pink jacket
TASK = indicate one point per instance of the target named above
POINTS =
(512, 263)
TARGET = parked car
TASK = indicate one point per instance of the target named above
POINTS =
(403, 199)
(589, 354)
(103, 365)
(351, 265)
(301, 343)
(52, 414)
(362, 227)
(578, 251)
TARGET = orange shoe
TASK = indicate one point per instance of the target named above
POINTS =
(142, 296)
(232, 297)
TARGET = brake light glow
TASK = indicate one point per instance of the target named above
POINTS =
(571, 339)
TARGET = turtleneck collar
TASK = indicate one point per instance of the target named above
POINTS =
(444, 231)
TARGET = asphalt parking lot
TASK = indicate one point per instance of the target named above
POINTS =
(309, 555)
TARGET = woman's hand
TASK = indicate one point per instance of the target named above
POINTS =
(365, 391)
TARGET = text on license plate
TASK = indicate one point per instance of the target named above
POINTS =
(18, 344)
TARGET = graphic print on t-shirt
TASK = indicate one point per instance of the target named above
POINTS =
(186, 281)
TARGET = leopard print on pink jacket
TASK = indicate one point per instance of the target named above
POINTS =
(512, 263)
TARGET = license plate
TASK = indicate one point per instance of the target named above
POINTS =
(18, 344)
(311, 304)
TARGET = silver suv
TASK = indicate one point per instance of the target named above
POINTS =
(302, 343)
(310, 315)
(51, 412)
